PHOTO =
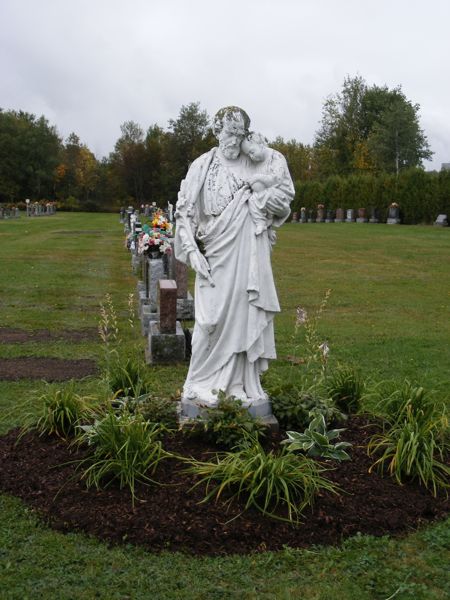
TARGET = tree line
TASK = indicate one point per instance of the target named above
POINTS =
(365, 131)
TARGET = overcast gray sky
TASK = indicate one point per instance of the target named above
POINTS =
(90, 65)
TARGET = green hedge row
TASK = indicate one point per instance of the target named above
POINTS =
(420, 195)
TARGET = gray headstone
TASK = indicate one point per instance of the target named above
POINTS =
(441, 221)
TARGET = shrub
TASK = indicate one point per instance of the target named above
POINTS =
(126, 448)
(316, 441)
(62, 411)
(292, 405)
(346, 388)
(152, 408)
(414, 441)
(268, 481)
(229, 424)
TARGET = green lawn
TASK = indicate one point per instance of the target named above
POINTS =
(388, 314)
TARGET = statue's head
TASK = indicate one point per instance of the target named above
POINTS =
(254, 145)
(230, 126)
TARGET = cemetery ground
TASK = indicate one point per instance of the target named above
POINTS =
(387, 315)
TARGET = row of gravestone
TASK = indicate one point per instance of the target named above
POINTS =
(163, 298)
(34, 209)
(322, 215)
(147, 210)
(9, 213)
(340, 215)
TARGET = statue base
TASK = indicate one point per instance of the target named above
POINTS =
(261, 409)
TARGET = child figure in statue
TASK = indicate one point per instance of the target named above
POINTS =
(264, 162)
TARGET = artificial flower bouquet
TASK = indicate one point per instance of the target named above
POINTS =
(156, 236)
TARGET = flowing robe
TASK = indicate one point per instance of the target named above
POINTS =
(233, 335)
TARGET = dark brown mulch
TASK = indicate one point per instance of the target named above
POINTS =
(9, 335)
(170, 517)
(48, 369)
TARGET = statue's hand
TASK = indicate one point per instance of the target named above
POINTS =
(277, 204)
(201, 266)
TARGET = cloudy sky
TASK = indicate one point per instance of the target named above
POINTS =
(90, 65)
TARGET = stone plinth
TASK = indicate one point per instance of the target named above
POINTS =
(185, 308)
(135, 262)
(441, 221)
(165, 348)
(320, 218)
(155, 273)
(340, 215)
(393, 215)
(147, 315)
(167, 296)
(181, 277)
(362, 215)
(330, 216)
(350, 216)
(185, 312)
(374, 216)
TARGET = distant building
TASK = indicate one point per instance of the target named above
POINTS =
(445, 167)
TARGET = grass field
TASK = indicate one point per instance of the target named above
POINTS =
(388, 315)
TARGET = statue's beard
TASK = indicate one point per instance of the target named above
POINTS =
(230, 152)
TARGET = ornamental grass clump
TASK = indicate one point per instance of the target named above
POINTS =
(345, 386)
(270, 482)
(129, 378)
(62, 411)
(125, 448)
(414, 443)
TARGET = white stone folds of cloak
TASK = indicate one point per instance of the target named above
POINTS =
(235, 316)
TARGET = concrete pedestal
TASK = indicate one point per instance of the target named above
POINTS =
(165, 348)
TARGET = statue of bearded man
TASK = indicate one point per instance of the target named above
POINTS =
(235, 296)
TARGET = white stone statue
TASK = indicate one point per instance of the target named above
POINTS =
(226, 209)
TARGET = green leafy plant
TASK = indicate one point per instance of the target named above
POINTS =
(62, 411)
(229, 424)
(128, 375)
(414, 441)
(268, 481)
(129, 378)
(316, 349)
(152, 408)
(108, 330)
(293, 404)
(316, 441)
(125, 448)
(345, 386)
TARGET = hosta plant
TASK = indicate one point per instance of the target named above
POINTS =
(316, 441)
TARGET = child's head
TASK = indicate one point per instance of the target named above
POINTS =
(254, 145)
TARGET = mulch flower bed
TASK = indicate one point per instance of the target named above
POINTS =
(40, 471)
